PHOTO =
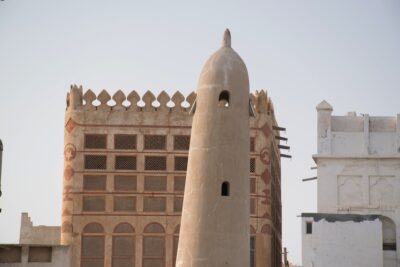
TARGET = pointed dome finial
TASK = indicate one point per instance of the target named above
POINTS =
(226, 41)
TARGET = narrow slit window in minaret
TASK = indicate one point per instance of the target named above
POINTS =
(223, 99)
(225, 189)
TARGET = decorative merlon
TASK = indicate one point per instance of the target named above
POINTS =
(177, 102)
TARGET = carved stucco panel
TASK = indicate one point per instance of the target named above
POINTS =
(382, 190)
(350, 191)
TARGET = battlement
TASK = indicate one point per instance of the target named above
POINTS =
(89, 101)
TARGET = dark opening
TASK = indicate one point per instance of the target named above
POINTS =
(389, 246)
(225, 189)
(308, 227)
(223, 99)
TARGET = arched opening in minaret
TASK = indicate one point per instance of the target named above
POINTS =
(223, 99)
(225, 189)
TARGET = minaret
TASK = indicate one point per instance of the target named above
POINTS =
(215, 217)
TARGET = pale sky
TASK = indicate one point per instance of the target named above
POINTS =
(301, 52)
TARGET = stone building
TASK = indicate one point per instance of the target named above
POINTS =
(124, 178)
(358, 220)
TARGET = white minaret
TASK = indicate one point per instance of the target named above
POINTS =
(215, 217)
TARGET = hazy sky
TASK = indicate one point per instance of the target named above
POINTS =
(346, 52)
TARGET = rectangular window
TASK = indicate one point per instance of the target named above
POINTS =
(96, 141)
(252, 185)
(308, 228)
(179, 183)
(252, 251)
(125, 162)
(154, 204)
(94, 203)
(178, 203)
(155, 183)
(39, 254)
(155, 163)
(123, 203)
(181, 163)
(9, 254)
(252, 144)
(252, 206)
(124, 183)
(252, 165)
(155, 142)
(125, 141)
(181, 142)
(95, 162)
(94, 182)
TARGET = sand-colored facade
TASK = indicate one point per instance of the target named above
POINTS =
(124, 175)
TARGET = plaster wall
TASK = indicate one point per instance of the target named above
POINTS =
(29, 234)
(344, 244)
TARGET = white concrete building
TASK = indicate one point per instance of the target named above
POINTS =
(358, 165)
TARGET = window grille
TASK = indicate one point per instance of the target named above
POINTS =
(95, 141)
(179, 183)
(252, 251)
(124, 183)
(252, 206)
(125, 162)
(178, 203)
(181, 142)
(154, 142)
(181, 163)
(252, 165)
(154, 204)
(252, 144)
(155, 183)
(124, 141)
(94, 182)
(253, 185)
(95, 162)
(92, 253)
(155, 163)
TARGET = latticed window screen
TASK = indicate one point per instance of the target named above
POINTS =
(92, 253)
(124, 141)
(94, 203)
(155, 142)
(179, 183)
(155, 183)
(252, 144)
(253, 185)
(124, 183)
(181, 163)
(181, 142)
(94, 141)
(95, 162)
(94, 182)
(125, 162)
(252, 206)
(154, 204)
(178, 203)
(252, 165)
(124, 203)
(155, 163)
(252, 251)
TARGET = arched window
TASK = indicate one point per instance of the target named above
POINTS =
(154, 246)
(389, 234)
(223, 100)
(225, 189)
(123, 246)
(176, 240)
(92, 245)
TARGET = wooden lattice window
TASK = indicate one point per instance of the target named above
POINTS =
(252, 165)
(181, 163)
(95, 162)
(93, 203)
(95, 141)
(181, 142)
(252, 206)
(124, 203)
(155, 183)
(252, 144)
(178, 203)
(154, 204)
(155, 142)
(94, 182)
(125, 141)
(125, 162)
(40, 254)
(155, 163)
(123, 246)
(92, 248)
(154, 246)
(179, 183)
(124, 183)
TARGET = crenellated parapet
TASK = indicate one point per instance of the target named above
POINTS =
(177, 102)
